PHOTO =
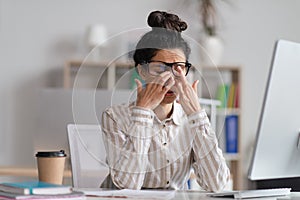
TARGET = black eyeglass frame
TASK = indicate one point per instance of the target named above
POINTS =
(186, 64)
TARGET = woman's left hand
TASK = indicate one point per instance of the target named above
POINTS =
(187, 94)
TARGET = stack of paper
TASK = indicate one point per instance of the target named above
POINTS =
(127, 193)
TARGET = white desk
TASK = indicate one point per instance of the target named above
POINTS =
(25, 171)
(199, 195)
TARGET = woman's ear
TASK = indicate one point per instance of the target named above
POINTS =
(141, 71)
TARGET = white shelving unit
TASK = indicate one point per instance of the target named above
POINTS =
(211, 78)
(72, 67)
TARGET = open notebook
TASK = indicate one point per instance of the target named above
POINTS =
(243, 194)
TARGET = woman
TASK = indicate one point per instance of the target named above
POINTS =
(156, 141)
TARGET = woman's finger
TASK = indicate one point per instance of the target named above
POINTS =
(179, 88)
(163, 78)
(195, 86)
(169, 83)
(181, 73)
(139, 85)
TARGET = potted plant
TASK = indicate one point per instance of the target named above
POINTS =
(208, 16)
(211, 42)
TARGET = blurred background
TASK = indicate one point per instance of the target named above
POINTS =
(39, 38)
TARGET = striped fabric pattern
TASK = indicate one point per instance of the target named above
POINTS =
(144, 152)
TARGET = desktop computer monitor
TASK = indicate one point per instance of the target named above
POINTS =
(276, 156)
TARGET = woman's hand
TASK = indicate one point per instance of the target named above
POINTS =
(154, 92)
(187, 93)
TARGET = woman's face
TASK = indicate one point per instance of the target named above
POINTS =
(168, 56)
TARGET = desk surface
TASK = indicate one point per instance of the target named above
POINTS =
(24, 171)
(199, 195)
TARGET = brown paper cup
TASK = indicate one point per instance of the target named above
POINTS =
(51, 166)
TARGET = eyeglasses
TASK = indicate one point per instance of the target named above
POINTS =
(157, 67)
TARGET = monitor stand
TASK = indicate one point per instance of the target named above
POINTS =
(293, 183)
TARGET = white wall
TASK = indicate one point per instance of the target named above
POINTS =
(36, 37)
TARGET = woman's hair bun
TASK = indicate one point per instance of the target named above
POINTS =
(161, 19)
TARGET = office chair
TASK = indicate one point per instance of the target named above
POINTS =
(87, 154)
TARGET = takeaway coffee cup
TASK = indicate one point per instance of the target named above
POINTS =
(51, 166)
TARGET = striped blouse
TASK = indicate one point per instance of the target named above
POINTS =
(144, 152)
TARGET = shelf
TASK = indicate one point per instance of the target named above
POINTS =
(228, 111)
(72, 67)
(79, 63)
(231, 156)
(223, 111)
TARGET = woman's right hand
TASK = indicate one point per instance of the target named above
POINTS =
(155, 90)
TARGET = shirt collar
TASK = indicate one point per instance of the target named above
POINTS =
(177, 113)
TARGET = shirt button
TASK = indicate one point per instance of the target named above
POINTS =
(168, 182)
(165, 143)
(168, 161)
(193, 122)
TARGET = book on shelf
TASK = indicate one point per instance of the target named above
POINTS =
(222, 95)
(237, 96)
(231, 133)
(231, 95)
(228, 95)
(34, 187)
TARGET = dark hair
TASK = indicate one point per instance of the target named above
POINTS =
(165, 34)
